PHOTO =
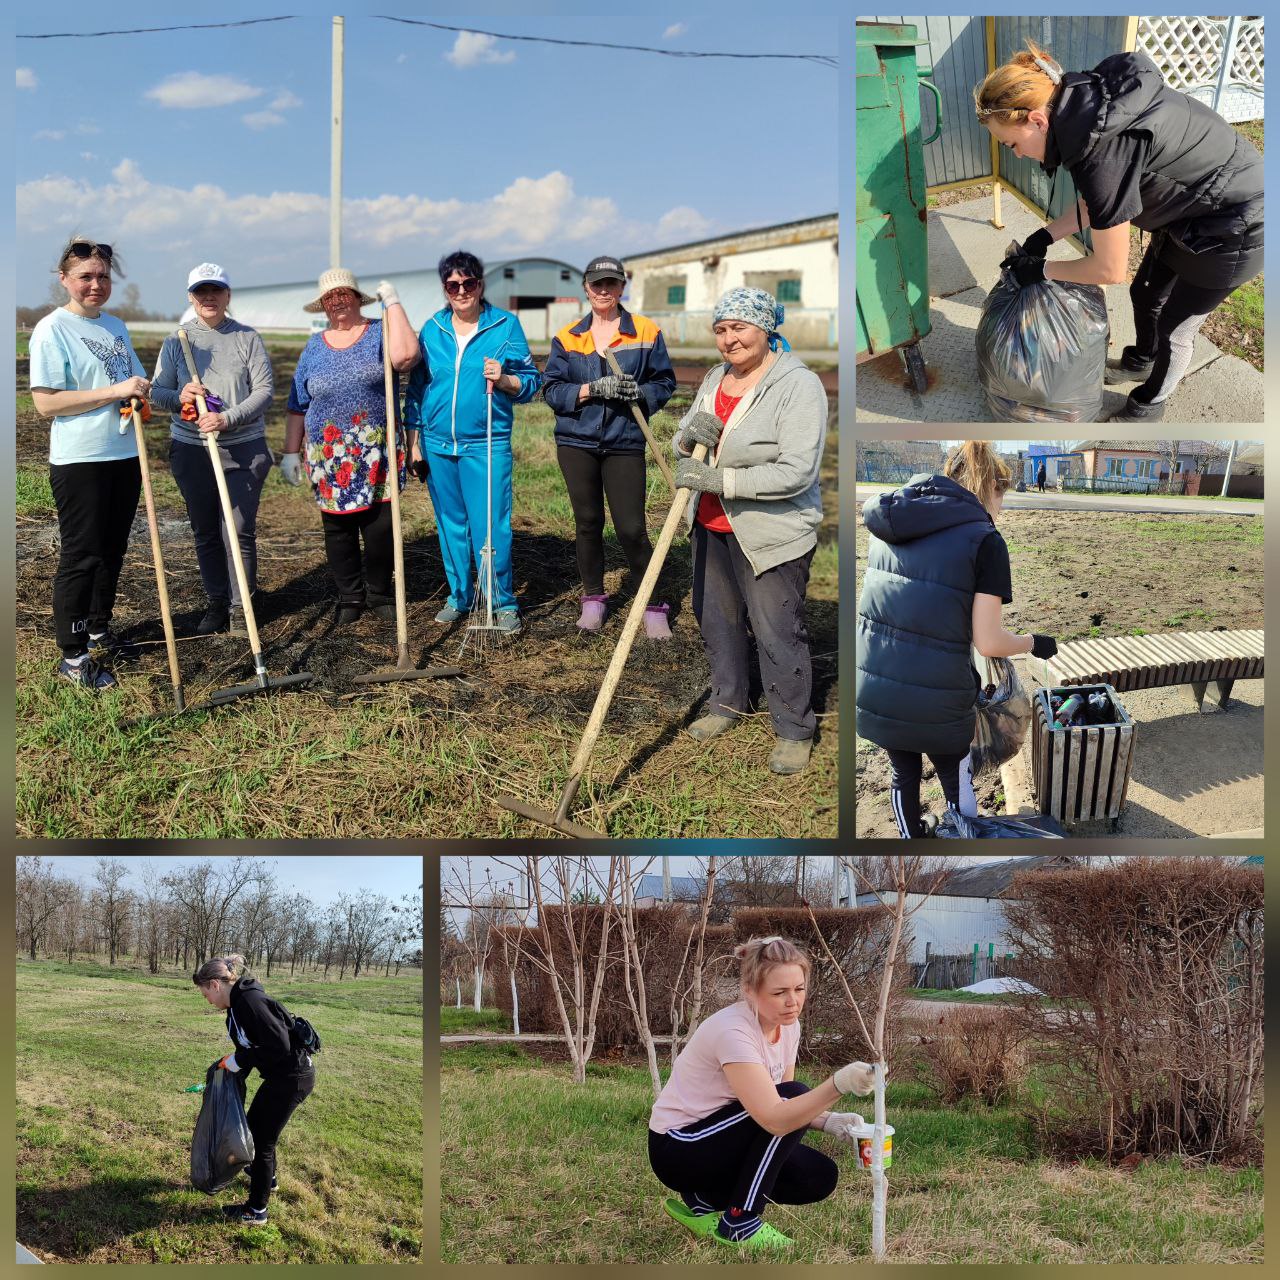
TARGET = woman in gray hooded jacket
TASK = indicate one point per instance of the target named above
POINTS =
(754, 516)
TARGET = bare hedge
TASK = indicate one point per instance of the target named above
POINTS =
(1160, 964)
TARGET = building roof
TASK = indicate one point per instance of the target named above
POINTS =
(991, 879)
(708, 241)
(683, 888)
(1128, 446)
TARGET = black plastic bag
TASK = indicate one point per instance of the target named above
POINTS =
(222, 1144)
(1004, 716)
(959, 826)
(1042, 349)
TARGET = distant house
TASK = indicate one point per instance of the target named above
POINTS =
(683, 889)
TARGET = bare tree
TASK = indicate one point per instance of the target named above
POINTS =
(115, 903)
(633, 965)
(693, 991)
(40, 895)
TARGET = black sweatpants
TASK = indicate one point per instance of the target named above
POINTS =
(278, 1097)
(904, 788)
(245, 465)
(592, 476)
(361, 581)
(726, 594)
(96, 504)
(729, 1162)
(1167, 314)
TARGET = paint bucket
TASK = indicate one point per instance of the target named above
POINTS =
(864, 1136)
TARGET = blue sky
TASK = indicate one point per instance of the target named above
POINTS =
(214, 145)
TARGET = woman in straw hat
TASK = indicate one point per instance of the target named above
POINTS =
(338, 405)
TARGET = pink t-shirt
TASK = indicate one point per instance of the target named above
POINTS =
(698, 1085)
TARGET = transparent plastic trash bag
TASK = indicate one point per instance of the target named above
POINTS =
(1042, 349)
(1004, 716)
(221, 1145)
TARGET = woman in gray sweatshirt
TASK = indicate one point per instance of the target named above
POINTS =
(754, 518)
(232, 364)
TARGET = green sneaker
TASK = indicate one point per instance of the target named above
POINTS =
(766, 1238)
(701, 1224)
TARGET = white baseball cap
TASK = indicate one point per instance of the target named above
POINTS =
(207, 273)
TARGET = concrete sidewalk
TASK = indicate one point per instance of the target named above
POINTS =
(964, 263)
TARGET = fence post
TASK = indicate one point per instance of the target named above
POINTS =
(1229, 39)
(975, 963)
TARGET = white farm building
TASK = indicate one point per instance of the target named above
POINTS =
(797, 262)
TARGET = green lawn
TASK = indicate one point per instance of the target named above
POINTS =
(537, 1170)
(455, 1021)
(104, 1127)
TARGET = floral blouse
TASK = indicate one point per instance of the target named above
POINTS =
(342, 397)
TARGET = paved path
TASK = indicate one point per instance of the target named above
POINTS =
(1135, 503)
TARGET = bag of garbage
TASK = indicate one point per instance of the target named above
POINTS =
(1004, 716)
(959, 826)
(221, 1145)
(1042, 349)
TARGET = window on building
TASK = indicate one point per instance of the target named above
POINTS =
(675, 295)
(508, 273)
(1115, 469)
(1148, 469)
(789, 290)
(565, 273)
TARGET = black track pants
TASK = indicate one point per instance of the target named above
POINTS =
(904, 788)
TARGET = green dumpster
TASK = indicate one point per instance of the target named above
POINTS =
(893, 244)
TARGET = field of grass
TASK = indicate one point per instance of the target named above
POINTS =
(535, 1169)
(455, 1021)
(104, 1127)
(434, 753)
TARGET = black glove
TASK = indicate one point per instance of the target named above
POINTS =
(1026, 269)
(419, 468)
(1043, 647)
(1037, 244)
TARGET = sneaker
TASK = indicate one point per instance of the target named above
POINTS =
(347, 613)
(766, 1238)
(217, 617)
(245, 1213)
(1118, 371)
(106, 641)
(711, 726)
(594, 609)
(656, 626)
(86, 672)
(508, 620)
(790, 755)
(701, 1224)
(450, 614)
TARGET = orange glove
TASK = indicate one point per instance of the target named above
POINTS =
(190, 413)
(144, 409)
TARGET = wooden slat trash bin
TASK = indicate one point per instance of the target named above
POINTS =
(1081, 772)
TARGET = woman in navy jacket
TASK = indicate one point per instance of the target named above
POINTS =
(600, 448)
(259, 1028)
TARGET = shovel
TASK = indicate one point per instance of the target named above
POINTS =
(559, 820)
(262, 682)
(404, 668)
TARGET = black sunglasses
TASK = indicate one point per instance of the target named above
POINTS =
(455, 287)
(87, 249)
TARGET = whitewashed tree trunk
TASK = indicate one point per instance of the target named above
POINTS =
(479, 984)
(515, 1005)
(879, 1183)
(458, 981)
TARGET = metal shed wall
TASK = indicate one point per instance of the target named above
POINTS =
(951, 925)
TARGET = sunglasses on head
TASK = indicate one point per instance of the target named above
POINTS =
(455, 287)
(86, 249)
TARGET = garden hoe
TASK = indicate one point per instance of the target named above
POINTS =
(262, 682)
(559, 821)
(638, 414)
(404, 668)
(157, 556)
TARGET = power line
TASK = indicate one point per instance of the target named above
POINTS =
(822, 59)
(140, 31)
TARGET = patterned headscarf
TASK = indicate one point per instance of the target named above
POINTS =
(754, 306)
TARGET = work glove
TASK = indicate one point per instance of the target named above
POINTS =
(692, 474)
(1043, 646)
(856, 1077)
(1025, 269)
(702, 428)
(144, 410)
(226, 1063)
(1037, 244)
(843, 1125)
(386, 291)
(291, 468)
(612, 387)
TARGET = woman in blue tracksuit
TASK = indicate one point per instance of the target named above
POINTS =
(467, 344)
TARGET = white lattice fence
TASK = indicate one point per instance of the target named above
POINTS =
(1220, 62)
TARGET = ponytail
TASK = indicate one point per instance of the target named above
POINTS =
(231, 968)
(1026, 83)
(977, 466)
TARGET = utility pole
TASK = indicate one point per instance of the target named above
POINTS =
(666, 878)
(1226, 475)
(837, 868)
(335, 151)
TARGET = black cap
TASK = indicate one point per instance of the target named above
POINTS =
(604, 268)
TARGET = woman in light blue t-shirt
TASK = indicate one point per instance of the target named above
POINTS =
(82, 367)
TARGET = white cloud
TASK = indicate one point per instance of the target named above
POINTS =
(285, 101)
(471, 49)
(87, 126)
(51, 135)
(674, 30)
(402, 57)
(682, 223)
(262, 119)
(26, 78)
(192, 90)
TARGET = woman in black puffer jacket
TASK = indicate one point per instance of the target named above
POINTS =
(259, 1029)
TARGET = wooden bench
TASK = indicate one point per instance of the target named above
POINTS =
(1193, 658)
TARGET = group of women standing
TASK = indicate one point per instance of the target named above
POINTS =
(753, 515)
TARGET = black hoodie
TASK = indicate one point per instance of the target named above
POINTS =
(254, 1017)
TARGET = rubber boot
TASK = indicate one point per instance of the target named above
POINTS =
(593, 613)
(656, 626)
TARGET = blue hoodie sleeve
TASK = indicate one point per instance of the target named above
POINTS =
(660, 378)
(419, 377)
(559, 387)
(517, 360)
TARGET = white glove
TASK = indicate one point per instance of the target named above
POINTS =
(843, 1125)
(857, 1077)
(291, 468)
(387, 292)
